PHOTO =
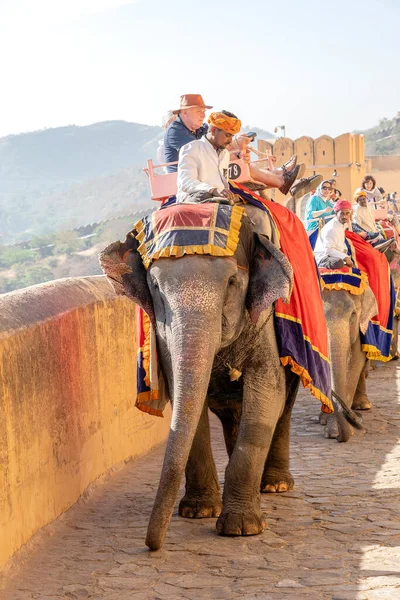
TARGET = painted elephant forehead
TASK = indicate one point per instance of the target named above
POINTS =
(189, 229)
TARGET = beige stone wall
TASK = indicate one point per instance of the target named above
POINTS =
(386, 170)
(323, 156)
(68, 381)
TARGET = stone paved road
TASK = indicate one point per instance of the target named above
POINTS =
(336, 537)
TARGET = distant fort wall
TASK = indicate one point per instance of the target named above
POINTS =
(323, 155)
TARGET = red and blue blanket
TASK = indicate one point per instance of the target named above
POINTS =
(300, 325)
(377, 340)
(210, 228)
(371, 268)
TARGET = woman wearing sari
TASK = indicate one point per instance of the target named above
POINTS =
(319, 205)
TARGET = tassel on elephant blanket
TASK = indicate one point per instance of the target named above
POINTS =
(300, 325)
(148, 399)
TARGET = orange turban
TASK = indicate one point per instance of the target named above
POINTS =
(228, 124)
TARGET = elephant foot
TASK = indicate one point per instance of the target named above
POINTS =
(323, 418)
(361, 403)
(341, 434)
(277, 481)
(241, 523)
(200, 508)
(331, 430)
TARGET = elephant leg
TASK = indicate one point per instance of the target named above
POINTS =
(337, 425)
(361, 400)
(263, 403)
(276, 476)
(323, 418)
(229, 414)
(395, 340)
(203, 494)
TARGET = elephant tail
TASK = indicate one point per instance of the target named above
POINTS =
(350, 415)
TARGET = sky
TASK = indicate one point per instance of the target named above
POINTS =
(315, 66)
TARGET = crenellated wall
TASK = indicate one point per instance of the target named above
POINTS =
(68, 381)
(323, 156)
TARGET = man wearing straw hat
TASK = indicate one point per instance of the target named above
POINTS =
(187, 127)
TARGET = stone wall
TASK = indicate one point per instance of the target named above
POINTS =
(323, 155)
(386, 170)
(68, 381)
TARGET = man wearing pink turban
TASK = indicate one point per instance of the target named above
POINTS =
(330, 250)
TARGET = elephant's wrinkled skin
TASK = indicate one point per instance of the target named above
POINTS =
(346, 315)
(198, 304)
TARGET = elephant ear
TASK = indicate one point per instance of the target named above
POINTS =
(369, 309)
(271, 277)
(123, 266)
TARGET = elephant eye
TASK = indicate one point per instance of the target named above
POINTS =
(232, 280)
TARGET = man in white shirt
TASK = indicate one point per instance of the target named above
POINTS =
(331, 250)
(363, 221)
(203, 164)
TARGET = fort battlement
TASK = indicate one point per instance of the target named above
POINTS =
(324, 155)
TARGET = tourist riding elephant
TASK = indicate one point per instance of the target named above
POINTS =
(346, 314)
(212, 315)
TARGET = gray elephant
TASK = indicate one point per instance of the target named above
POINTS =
(213, 314)
(346, 315)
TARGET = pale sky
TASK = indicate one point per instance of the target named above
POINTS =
(317, 66)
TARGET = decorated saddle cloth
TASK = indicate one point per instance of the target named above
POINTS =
(371, 269)
(300, 325)
(345, 278)
(181, 229)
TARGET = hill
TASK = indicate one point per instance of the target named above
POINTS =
(63, 177)
(69, 176)
(384, 138)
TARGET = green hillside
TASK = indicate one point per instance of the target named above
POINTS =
(384, 138)
(68, 176)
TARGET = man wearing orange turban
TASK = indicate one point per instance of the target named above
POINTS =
(203, 164)
(224, 122)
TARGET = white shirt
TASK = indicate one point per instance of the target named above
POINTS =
(201, 168)
(363, 217)
(331, 241)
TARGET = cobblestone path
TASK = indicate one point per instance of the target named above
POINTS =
(336, 537)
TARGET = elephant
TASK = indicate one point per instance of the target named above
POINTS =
(213, 314)
(346, 314)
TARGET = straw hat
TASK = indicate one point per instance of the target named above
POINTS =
(191, 101)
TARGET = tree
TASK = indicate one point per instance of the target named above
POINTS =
(14, 255)
(67, 242)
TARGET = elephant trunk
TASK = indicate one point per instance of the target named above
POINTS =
(193, 350)
(339, 356)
